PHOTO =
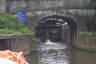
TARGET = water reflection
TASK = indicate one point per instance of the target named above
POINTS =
(52, 53)
(58, 53)
(53, 57)
(82, 57)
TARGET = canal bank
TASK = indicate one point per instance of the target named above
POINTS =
(16, 43)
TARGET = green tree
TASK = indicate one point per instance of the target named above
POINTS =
(91, 3)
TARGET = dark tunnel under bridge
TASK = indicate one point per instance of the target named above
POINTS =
(50, 27)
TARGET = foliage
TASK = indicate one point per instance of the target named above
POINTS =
(91, 3)
(9, 25)
(87, 33)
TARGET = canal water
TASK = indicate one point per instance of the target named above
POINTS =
(60, 53)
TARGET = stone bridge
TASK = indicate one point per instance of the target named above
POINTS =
(75, 12)
(77, 20)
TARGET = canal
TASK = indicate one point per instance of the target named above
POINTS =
(60, 53)
(52, 48)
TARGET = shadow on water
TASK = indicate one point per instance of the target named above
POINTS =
(60, 53)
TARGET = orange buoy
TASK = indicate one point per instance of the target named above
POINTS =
(13, 56)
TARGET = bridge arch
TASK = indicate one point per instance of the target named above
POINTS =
(71, 23)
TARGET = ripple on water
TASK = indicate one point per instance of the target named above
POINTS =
(52, 53)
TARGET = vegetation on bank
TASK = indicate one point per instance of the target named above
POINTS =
(91, 3)
(9, 25)
(86, 33)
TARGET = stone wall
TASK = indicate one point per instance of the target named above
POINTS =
(2, 6)
(17, 43)
(80, 16)
(87, 41)
(12, 6)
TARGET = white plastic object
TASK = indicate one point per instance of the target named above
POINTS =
(6, 61)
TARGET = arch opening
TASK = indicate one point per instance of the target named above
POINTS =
(59, 20)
